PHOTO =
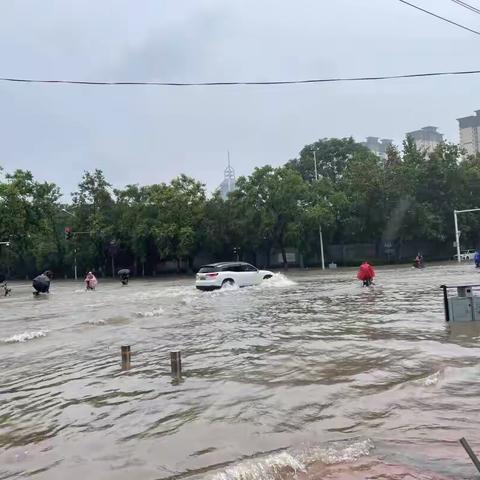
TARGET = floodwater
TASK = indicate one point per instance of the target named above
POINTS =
(308, 376)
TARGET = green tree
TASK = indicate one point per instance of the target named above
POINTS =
(93, 212)
(333, 156)
(179, 211)
(274, 202)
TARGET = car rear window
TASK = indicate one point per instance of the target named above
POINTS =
(208, 269)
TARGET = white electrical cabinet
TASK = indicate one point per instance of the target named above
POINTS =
(460, 309)
(465, 307)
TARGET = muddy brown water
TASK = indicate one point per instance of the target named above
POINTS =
(306, 376)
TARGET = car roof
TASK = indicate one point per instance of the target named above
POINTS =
(223, 264)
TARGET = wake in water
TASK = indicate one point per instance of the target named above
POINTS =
(289, 463)
(337, 461)
(279, 280)
(25, 337)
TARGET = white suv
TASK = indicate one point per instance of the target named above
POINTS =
(465, 255)
(218, 275)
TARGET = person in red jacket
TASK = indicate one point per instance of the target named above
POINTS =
(366, 273)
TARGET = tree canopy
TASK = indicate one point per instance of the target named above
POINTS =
(355, 196)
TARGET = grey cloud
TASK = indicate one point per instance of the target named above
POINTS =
(147, 134)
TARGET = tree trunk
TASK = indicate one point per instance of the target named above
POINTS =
(267, 256)
(143, 269)
(284, 258)
(178, 265)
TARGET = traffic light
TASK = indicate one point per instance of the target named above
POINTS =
(68, 233)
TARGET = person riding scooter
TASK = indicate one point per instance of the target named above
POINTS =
(90, 281)
(366, 274)
(418, 261)
(4, 286)
(477, 259)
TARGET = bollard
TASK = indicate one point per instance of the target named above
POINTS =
(126, 356)
(176, 364)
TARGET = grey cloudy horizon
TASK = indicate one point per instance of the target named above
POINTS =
(148, 134)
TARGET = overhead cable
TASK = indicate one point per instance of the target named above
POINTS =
(476, 32)
(233, 83)
(467, 6)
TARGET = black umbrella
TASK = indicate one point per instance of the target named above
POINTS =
(123, 271)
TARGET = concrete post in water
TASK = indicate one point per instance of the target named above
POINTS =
(126, 357)
(176, 364)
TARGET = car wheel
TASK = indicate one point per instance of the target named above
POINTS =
(266, 277)
(228, 283)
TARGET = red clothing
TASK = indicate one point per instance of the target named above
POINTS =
(365, 272)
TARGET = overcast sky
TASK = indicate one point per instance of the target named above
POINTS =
(151, 134)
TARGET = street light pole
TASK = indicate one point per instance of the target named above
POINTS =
(457, 231)
(319, 224)
(457, 236)
(75, 263)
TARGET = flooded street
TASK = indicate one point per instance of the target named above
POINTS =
(309, 374)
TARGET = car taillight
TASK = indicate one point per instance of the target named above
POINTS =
(212, 275)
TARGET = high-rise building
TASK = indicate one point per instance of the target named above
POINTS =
(379, 147)
(427, 138)
(228, 183)
(470, 133)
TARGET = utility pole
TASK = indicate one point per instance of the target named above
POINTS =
(320, 234)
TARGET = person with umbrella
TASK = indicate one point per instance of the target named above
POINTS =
(41, 283)
(124, 275)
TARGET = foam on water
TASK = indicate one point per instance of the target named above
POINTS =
(429, 380)
(96, 321)
(25, 337)
(267, 468)
(432, 379)
(338, 452)
(278, 280)
(156, 312)
(289, 462)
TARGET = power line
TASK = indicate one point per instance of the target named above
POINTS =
(428, 12)
(233, 83)
(467, 6)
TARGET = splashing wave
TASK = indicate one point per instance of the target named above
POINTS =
(25, 337)
(277, 465)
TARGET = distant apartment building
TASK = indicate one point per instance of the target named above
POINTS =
(228, 183)
(377, 146)
(427, 138)
(470, 133)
